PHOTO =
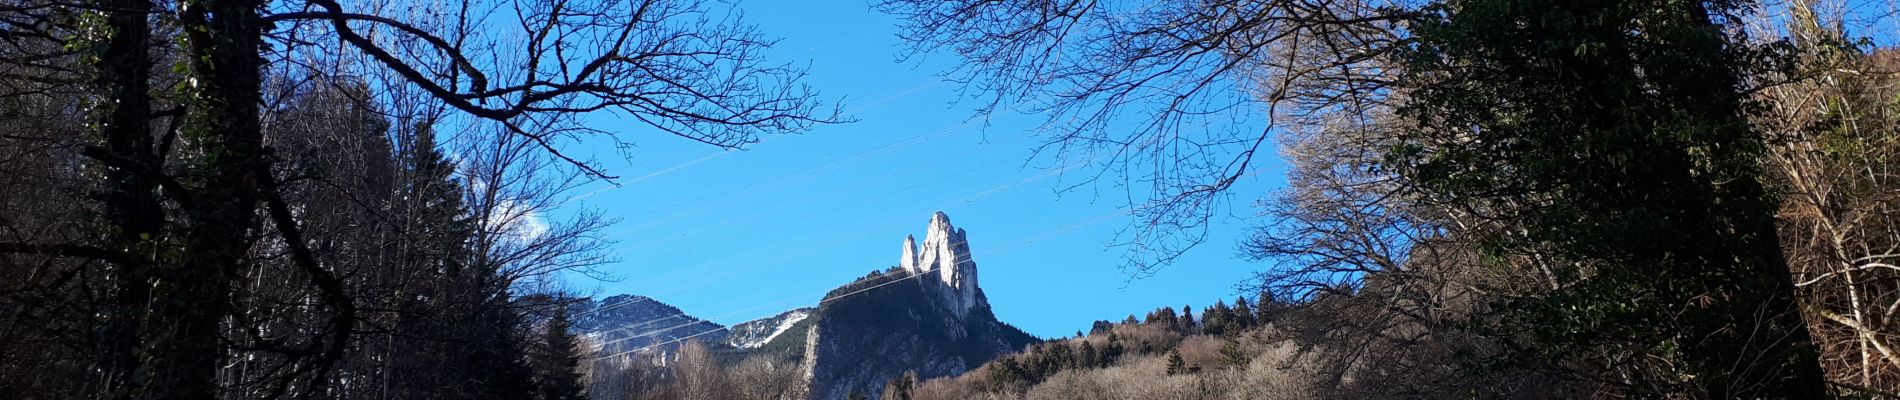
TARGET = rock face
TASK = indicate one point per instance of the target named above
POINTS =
(945, 258)
(926, 315)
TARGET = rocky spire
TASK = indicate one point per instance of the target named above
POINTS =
(909, 263)
(944, 259)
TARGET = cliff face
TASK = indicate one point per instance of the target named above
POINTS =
(945, 257)
(927, 315)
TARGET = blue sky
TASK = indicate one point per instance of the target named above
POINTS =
(737, 235)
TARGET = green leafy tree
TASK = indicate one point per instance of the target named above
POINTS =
(1602, 151)
(1175, 364)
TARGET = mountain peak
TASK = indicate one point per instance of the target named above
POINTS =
(944, 259)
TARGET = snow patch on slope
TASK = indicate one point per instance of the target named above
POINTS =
(783, 325)
(756, 333)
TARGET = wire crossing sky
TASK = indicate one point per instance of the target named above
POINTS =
(738, 235)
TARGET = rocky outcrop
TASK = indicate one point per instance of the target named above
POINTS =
(945, 259)
(927, 315)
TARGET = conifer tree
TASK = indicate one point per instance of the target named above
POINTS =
(1187, 325)
(1164, 316)
(1243, 315)
(1175, 364)
(557, 369)
(1217, 320)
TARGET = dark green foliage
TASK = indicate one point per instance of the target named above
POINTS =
(1232, 354)
(557, 366)
(1243, 315)
(1612, 137)
(1007, 374)
(1186, 324)
(1164, 316)
(1175, 364)
(1039, 362)
(1220, 320)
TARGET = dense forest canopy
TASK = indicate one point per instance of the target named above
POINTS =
(1486, 198)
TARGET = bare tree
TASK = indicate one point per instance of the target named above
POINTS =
(1174, 101)
(1832, 134)
(210, 249)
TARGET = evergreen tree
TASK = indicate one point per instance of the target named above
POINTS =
(1006, 374)
(1113, 351)
(1232, 354)
(1243, 315)
(1087, 357)
(1175, 364)
(1217, 320)
(557, 369)
(1187, 325)
(1613, 138)
(1266, 307)
(496, 367)
(1164, 317)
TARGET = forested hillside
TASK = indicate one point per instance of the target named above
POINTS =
(1486, 198)
(329, 199)
(375, 199)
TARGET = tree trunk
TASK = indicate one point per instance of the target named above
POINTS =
(132, 210)
(182, 346)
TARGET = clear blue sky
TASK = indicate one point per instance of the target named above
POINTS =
(737, 235)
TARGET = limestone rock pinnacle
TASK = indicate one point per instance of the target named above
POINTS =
(944, 262)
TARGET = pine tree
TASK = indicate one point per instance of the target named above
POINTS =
(1232, 354)
(557, 369)
(1175, 364)
(496, 363)
(1217, 320)
(1164, 316)
(1243, 315)
(1187, 325)
(1087, 357)
(1265, 308)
